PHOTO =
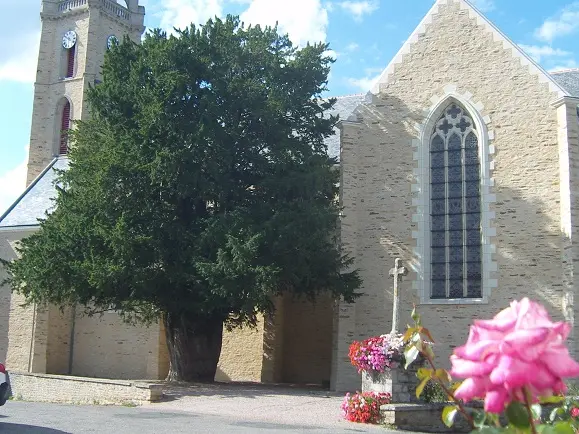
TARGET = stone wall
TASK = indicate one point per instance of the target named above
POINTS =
(76, 390)
(292, 346)
(106, 347)
(58, 349)
(457, 56)
(307, 340)
(17, 322)
(242, 354)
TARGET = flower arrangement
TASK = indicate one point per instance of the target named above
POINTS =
(514, 362)
(377, 353)
(364, 407)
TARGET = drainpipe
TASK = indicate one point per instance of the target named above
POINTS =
(71, 345)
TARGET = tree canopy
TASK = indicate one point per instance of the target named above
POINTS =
(199, 188)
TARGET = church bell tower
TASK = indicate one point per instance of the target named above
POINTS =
(75, 35)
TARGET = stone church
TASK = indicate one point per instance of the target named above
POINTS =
(462, 161)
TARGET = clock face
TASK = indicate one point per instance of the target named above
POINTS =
(69, 39)
(112, 40)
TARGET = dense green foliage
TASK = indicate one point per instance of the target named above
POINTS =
(200, 187)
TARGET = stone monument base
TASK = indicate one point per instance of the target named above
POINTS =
(428, 417)
(421, 418)
(399, 382)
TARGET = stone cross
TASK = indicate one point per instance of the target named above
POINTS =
(397, 272)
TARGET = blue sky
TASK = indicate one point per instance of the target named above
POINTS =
(363, 34)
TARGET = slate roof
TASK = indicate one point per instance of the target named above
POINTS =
(344, 107)
(568, 79)
(35, 200)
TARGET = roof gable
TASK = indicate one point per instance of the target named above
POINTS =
(36, 200)
(481, 20)
(344, 107)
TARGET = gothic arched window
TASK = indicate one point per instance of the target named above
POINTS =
(455, 207)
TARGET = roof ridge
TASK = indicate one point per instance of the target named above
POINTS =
(349, 95)
(559, 71)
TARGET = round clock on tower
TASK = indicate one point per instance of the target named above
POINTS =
(69, 39)
(112, 40)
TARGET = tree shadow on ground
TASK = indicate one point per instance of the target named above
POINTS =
(18, 428)
(177, 390)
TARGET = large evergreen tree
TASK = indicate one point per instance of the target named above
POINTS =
(199, 189)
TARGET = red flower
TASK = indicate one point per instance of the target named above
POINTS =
(364, 407)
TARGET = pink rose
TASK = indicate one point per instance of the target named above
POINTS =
(520, 348)
(574, 412)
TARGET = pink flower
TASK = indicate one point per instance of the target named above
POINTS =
(520, 348)
(574, 412)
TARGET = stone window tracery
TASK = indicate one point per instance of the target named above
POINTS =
(455, 207)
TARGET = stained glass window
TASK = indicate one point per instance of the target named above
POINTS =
(455, 207)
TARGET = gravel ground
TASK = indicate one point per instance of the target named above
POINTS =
(263, 403)
(203, 409)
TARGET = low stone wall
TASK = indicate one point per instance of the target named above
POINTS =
(428, 417)
(421, 417)
(81, 390)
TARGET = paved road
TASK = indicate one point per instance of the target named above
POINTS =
(18, 417)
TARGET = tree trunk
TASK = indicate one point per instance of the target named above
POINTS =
(194, 347)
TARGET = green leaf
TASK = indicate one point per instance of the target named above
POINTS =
(491, 430)
(423, 373)
(426, 334)
(410, 355)
(557, 412)
(414, 315)
(428, 350)
(448, 414)
(536, 410)
(517, 415)
(551, 399)
(409, 333)
(442, 374)
(421, 386)
(564, 427)
(417, 341)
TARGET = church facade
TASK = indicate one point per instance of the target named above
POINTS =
(462, 161)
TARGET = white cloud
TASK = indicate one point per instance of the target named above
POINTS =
(331, 53)
(564, 23)
(352, 46)
(12, 184)
(359, 8)
(302, 20)
(18, 59)
(364, 84)
(540, 52)
(569, 64)
(181, 13)
(484, 5)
